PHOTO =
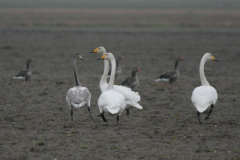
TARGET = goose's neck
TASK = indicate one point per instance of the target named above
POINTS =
(103, 80)
(176, 65)
(118, 64)
(28, 65)
(76, 80)
(134, 74)
(201, 72)
(113, 70)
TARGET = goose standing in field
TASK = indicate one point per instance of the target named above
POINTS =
(170, 76)
(132, 98)
(131, 82)
(78, 96)
(118, 68)
(110, 101)
(205, 95)
(25, 74)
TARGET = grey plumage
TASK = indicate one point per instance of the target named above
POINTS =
(131, 82)
(25, 74)
(78, 96)
(170, 76)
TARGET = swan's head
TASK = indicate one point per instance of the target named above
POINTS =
(179, 58)
(99, 50)
(30, 60)
(77, 55)
(209, 57)
(107, 56)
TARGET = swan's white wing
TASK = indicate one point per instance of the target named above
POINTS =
(128, 93)
(78, 96)
(203, 97)
(111, 101)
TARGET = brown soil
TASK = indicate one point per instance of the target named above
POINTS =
(35, 120)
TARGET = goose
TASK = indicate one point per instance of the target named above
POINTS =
(25, 74)
(205, 95)
(77, 96)
(131, 82)
(110, 101)
(170, 76)
(118, 68)
(132, 98)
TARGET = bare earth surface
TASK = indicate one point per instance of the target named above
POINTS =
(35, 121)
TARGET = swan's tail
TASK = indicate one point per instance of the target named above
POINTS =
(113, 110)
(78, 105)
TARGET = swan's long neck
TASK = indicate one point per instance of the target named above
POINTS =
(112, 78)
(103, 80)
(201, 72)
(76, 82)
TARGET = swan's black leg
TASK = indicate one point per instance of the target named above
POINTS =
(89, 112)
(72, 113)
(127, 111)
(117, 119)
(199, 118)
(103, 118)
(209, 112)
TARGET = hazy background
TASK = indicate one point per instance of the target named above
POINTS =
(164, 14)
(123, 4)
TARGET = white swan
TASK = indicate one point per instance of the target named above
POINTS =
(205, 95)
(110, 101)
(78, 96)
(132, 98)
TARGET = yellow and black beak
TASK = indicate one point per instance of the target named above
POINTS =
(102, 58)
(95, 50)
(213, 58)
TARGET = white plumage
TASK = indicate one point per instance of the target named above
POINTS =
(132, 98)
(204, 96)
(110, 101)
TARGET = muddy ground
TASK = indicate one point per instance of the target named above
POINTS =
(35, 120)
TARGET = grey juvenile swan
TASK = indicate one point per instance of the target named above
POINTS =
(78, 96)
